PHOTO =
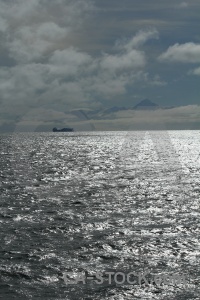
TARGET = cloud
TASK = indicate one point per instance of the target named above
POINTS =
(184, 53)
(69, 62)
(162, 115)
(48, 66)
(183, 5)
(138, 40)
(184, 117)
(153, 80)
(32, 43)
(3, 24)
(195, 72)
(34, 29)
(47, 71)
(125, 61)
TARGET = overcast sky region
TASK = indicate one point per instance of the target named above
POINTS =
(61, 56)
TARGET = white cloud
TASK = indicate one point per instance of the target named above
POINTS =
(68, 76)
(69, 62)
(27, 46)
(125, 61)
(36, 28)
(138, 40)
(184, 53)
(195, 72)
(47, 70)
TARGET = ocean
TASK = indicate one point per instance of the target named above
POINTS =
(76, 205)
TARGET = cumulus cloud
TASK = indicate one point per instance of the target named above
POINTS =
(138, 40)
(47, 71)
(125, 61)
(184, 53)
(32, 43)
(48, 64)
(195, 72)
(35, 28)
(68, 62)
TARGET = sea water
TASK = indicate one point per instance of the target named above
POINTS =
(88, 202)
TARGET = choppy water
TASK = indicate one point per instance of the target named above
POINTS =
(100, 201)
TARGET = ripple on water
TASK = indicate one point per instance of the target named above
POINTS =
(76, 204)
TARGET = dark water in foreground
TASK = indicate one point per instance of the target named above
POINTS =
(99, 202)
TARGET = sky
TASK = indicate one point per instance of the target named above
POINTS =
(58, 57)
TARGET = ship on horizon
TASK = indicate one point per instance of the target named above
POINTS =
(65, 129)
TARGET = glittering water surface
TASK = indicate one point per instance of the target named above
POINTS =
(91, 202)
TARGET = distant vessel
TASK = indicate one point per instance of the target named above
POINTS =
(63, 129)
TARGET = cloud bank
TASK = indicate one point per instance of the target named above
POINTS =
(184, 117)
(185, 53)
(53, 61)
(45, 70)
